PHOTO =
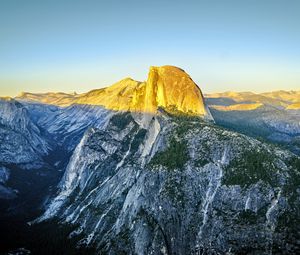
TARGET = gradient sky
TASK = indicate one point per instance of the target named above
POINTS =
(242, 45)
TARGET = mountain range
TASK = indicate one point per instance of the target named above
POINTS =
(271, 116)
(151, 167)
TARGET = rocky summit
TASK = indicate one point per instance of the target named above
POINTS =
(166, 86)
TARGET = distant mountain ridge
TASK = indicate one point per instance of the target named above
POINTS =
(273, 116)
(282, 99)
(21, 140)
(54, 98)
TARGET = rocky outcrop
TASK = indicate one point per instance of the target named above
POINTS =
(192, 188)
(170, 86)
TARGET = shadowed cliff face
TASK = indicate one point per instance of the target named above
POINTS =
(166, 86)
(21, 141)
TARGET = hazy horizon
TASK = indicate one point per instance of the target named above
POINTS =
(205, 93)
(78, 46)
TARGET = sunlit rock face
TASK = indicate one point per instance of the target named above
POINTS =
(295, 106)
(237, 107)
(167, 87)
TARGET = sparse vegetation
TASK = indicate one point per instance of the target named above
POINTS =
(173, 188)
(138, 139)
(174, 157)
(249, 168)
(121, 120)
(200, 162)
(293, 181)
(247, 217)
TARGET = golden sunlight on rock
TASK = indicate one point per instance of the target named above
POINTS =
(168, 87)
(237, 107)
(295, 106)
(60, 99)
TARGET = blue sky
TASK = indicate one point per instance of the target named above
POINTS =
(81, 45)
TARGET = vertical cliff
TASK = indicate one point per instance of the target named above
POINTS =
(169, 86)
